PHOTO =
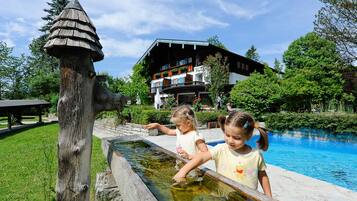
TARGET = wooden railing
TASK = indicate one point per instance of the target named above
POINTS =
(175, 70)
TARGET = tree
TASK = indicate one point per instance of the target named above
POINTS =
(217, 74)
(258, 94)
(312, 59)
(43, 78)
(56, 7)
(214, 40)
(337, 21)
(5, 53)
(134, 85)
(13, 70)
(310, 51)
(299, 92)
(277, 65)
(252, 53)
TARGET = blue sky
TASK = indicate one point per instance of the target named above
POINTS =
(128, 27)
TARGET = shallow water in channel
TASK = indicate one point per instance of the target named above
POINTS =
(156, 169)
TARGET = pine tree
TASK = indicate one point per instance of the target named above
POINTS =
(252, 53)
(277, 65)
(56, 7)
(214, 40)
(43, 78)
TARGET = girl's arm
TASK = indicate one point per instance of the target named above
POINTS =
(201, 145)
(197, 160)
(162, 128)
(264, 181)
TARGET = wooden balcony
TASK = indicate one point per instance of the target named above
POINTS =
(175, 70)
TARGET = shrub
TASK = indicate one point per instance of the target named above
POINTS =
(170, 102)
(204, 117)
(258, 94)
(332, 122)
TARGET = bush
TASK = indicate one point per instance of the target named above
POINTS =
(146, 114)
(332, 122)
(54, 102)
(258, 94)
(204, 117)
(170, 102)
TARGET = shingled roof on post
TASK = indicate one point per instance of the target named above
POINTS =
(73, 29)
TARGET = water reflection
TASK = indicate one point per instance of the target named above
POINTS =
(314, 134)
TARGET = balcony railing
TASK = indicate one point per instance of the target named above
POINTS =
(153, 89)
(175, 70)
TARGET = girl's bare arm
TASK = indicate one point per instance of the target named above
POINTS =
(264, 181)
(197, 160)
(162, 128)
(201, 145)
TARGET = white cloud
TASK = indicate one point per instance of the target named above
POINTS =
(8, 42)
(246, 9)
(13, 30)
(124, 48)
(16, 28)
(146, 17)
(23, 9)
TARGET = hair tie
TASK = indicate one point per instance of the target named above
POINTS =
(246, 124)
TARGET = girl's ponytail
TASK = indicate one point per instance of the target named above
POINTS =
(221, 122)
(263, 140)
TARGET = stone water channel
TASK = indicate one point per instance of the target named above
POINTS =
(143, 171)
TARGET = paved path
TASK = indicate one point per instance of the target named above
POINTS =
(286, 185)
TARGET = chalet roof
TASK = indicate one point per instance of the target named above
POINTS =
(189, 42)
(21, 103)
(173, 41)
(72, 28)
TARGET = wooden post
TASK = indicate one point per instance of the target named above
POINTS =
(74, 41)
(40, 114)
(8, 120)
(76, 119)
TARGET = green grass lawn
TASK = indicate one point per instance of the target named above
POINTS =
(23, 171)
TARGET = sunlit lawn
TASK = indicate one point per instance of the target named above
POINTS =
(22, 166)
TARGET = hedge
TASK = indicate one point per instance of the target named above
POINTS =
(331, 122)
(147, 114)
(204, 117)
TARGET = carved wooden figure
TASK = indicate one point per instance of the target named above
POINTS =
(74, 41)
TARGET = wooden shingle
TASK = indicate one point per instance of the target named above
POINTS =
(73, 29)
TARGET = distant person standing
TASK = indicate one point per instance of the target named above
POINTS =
(229, 108)
(219, 102)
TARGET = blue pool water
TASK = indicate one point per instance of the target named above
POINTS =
(324, 157)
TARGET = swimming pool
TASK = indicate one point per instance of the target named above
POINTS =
(322, 156)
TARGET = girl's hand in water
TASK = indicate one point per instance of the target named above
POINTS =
(152, 126)
(179, 177)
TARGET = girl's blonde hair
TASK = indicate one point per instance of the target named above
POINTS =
(245, 121)
(184, 113)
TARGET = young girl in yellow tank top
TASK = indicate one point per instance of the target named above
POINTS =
(234, 158)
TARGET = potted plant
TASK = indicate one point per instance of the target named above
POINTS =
(165, 73)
